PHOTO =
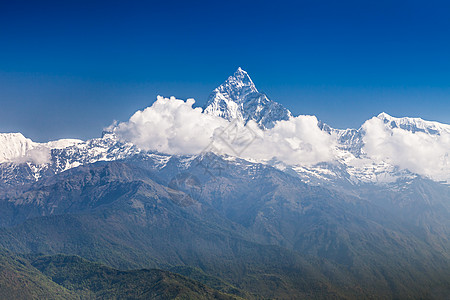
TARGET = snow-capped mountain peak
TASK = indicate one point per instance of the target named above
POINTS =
(14, 145)
(414, 124)
(238, 98)
(379, 151)
(238, 85)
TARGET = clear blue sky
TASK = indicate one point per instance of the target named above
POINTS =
(69, 68)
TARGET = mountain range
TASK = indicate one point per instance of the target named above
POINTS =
(371, 220)
(237, 99)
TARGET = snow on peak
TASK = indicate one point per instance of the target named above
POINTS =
(383, 144)
(62, 143)
(237, 87)
(414, 124)
(14, 145)
(383, 116)
(240, 81)
(238, 98)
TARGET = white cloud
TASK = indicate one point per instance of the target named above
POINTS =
(170, 126)
(173, 126)
(14, 147)
(296, 141)
(418, 152)
(38, 155)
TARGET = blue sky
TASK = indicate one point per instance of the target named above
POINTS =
(69, 68)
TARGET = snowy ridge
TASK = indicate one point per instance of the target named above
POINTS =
(414, 124)
(63, 143)
(25, 160)
(14, 146)
(361, 156)
(238, 98)
(349, 140)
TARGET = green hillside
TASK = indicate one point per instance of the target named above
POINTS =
(20, 280)
(71, 277)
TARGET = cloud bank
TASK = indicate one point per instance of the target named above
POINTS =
(418, 152)
(173, 126)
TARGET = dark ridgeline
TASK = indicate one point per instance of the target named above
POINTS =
(211, 226)
(266, 234)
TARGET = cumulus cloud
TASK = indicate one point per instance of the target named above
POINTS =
(296, 141)
(170, 126)
(173, 126)
(418, 152)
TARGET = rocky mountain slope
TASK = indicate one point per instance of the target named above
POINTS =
(238, 99)
(362, 225)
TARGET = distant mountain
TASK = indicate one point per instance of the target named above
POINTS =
(114, 212)
(240, 222)
(358, 226)
(24, 161)
(414, 124)
(238, 99)
(14, 147)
